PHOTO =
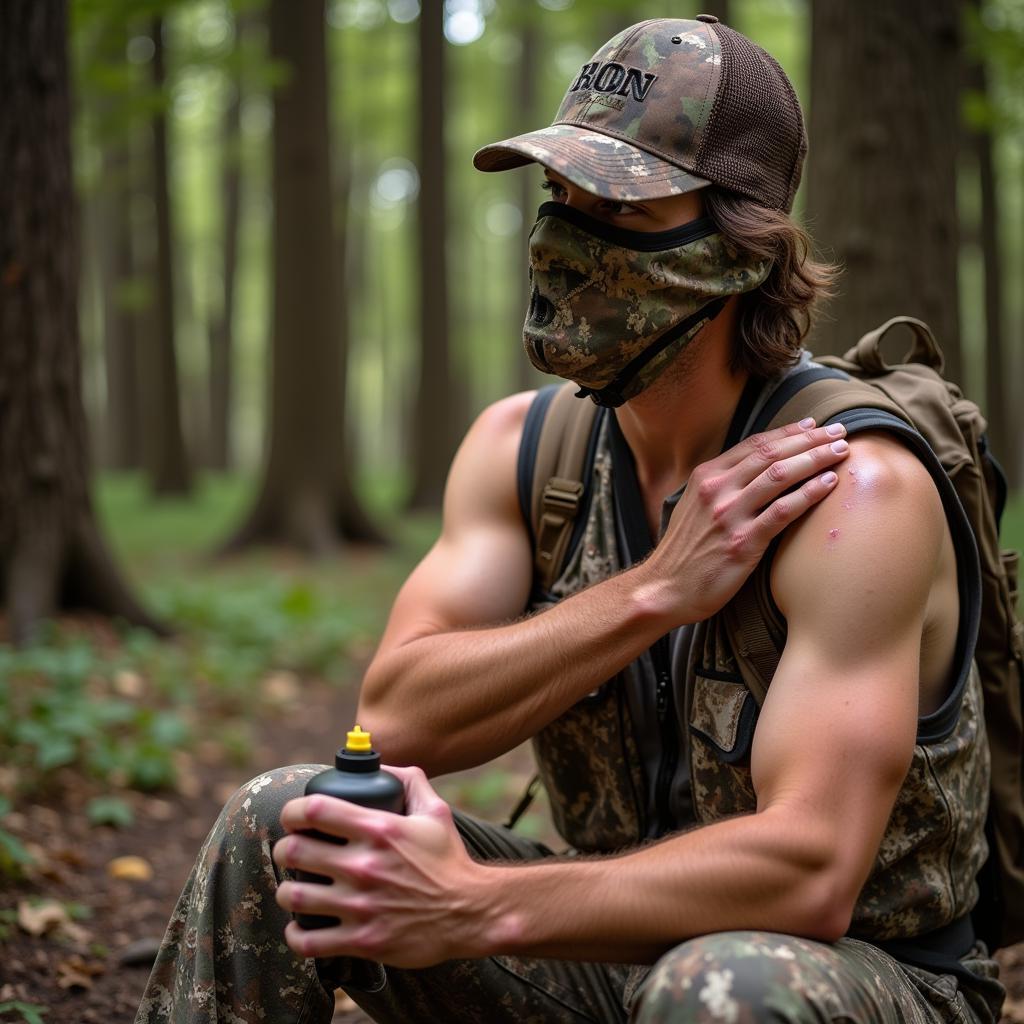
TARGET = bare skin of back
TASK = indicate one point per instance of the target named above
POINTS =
(865, 576)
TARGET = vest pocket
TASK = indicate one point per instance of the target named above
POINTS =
(723, 715)
(722, 719)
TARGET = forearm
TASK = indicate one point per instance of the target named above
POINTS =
(451, 700)
(754, 872)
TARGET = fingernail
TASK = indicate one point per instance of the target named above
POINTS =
(839, 447)
(828, 479)
(807, 423)
(835, 429)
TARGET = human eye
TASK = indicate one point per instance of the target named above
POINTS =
(557, 191)
(612, 208)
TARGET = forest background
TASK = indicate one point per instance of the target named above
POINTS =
(254, 292)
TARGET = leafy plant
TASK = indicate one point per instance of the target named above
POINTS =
(109, 810)
(30, 1013)
(14, 858)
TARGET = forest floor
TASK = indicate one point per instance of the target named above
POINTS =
(117, 750)
(91, 962)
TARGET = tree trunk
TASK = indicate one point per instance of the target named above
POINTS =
(306, 498)
(52, 554)
(437, 403)
(221, 352)
(168, 463)
(123, 449)
(1005, 442)
(524, 98)
(882, 174)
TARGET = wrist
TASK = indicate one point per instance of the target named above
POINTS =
(655, 603)
(497, 922)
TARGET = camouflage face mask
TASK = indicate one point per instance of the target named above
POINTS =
(611, 308)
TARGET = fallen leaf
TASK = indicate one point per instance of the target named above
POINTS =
(76, 972)
(40, 918)
(71, 979)
(128, 683)
(76, 933)
(132, 869)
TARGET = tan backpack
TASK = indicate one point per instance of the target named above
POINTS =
(946, 431)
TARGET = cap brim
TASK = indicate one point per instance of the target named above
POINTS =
(602, 164)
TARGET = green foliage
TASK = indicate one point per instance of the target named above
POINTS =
(119, 706)
(14, 858)
(30, 1013)
(59, 706)
(109, 810)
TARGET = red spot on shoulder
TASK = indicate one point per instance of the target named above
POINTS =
(833, 533)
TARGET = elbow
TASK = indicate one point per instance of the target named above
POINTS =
(827, 904)
(395, 736)
(830, 921)
(819, 891)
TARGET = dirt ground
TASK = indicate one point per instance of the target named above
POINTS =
(92, 965)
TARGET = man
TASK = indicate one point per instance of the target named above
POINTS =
(670, 284)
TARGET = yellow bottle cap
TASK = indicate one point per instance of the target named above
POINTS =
(358, 741)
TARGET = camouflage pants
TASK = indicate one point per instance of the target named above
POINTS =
(223, 959)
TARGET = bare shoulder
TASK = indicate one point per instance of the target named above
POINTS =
(483, 473)
(874, 540)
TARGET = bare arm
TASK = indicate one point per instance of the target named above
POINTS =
(456, 683)
(831, 749)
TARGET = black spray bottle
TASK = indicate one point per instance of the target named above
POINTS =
(356, 777)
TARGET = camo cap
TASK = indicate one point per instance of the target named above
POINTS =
(668, 106)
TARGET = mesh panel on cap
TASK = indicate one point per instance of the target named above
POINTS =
(755, 141)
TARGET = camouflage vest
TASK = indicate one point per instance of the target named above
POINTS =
(589, 758)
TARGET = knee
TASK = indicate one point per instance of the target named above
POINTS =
(731, 978)
(254, 809)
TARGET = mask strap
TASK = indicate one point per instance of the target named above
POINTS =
(611, 395)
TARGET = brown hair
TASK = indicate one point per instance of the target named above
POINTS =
(774, 318)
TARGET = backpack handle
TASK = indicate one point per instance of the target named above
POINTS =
(867, 353)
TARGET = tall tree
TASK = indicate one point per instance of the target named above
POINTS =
(52, 554)
(1005, 441)
(167, 459)
(882, 174)
(306, 498)
(103, 80)
(526, 101)
(221, 337)
(438, 403)
(123, 441)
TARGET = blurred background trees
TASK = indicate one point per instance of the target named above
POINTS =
(293, 279)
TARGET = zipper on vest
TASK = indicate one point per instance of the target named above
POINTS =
(627, 761)
(665, 705)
